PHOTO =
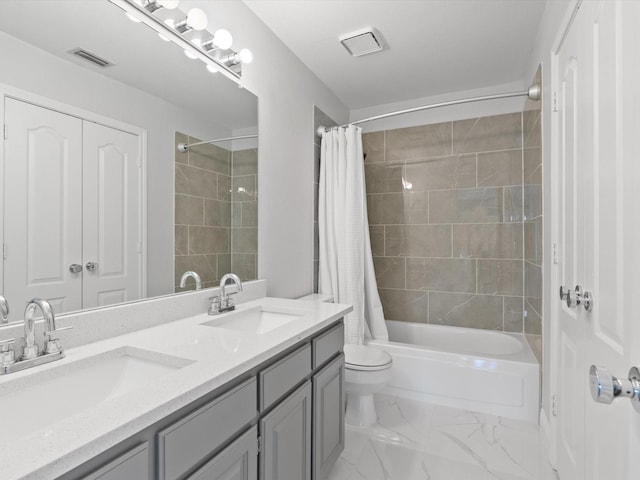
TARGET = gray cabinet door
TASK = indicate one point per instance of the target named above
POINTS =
(328, 417)
(239, 461)
(286, 438)
(133, 464)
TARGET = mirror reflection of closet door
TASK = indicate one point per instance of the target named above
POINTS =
(112, 216)
(42, 207)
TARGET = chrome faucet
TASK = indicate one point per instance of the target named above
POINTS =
(194, 275)
(31, 355)
(224, 303)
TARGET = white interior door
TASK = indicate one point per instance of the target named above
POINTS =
(600, 56)
(569, 398)
(112, 237)
(43, 207)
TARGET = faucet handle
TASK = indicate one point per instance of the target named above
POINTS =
(53, 344)
(7, 354)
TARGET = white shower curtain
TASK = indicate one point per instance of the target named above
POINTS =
(346, 263)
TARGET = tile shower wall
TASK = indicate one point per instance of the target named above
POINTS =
(446, 212)
(206, 210)
(532, 134)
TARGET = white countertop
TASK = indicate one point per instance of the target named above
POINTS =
(218, 356)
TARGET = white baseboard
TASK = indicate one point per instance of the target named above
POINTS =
(548, 438)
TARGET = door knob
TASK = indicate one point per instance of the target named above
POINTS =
(564, 291)
(605, 388)
(578, 297)
(75, 268)
(92, 266)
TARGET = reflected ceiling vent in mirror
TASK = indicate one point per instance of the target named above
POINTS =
(91, 58)
(188, 31)
(362, 42)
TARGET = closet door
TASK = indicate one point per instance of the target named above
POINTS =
(42, 207)
(112, 233)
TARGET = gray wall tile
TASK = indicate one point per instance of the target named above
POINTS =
(442, 173)
(383, 177)
(244, 162)
(499, 132)
(390, 272)
(418, 240)
(442, 274)
(189, 210)
(208, 240)
(376, 233)
(500, 277)
(498, 169)
(405, 305)
(500, 240)
(373, 146)
(210, 157)
(216, 213)
(181, 240)
(472, 205)
(418, 142)
(465, 310)
(398, 208)
(244, 240)
(196, 182)
(513, 321)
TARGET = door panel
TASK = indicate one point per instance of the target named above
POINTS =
(43, 206)
(112, 216)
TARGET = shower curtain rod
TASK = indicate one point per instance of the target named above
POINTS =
(183, 147)
(533, 93)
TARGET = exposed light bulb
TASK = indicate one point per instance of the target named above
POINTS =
(168, 4)
(190, 55)
(197, 19)
(222, 39)
(245, 55)
(212, 68)
(132, 18)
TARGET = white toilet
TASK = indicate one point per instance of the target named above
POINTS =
(367, 371)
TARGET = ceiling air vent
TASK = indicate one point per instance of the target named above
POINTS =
(362, 42)
(91, 57)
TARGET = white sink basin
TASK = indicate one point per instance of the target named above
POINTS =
(35, 401)
(258, 320)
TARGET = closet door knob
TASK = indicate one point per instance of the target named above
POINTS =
(75, 268)
(92, 266)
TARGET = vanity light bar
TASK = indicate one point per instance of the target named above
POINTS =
(131, 8)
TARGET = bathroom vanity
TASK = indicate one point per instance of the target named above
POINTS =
(256, 393)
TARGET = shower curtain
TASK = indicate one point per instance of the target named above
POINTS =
(346, 262)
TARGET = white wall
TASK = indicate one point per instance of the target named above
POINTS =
(35, 71)
(556, 15)
(444, 114)
(287, 92)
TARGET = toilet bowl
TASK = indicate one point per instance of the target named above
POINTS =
(367, 371)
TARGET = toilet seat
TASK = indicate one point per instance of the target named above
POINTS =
(366, 358)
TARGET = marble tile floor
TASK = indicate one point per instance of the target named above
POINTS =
(420, 441)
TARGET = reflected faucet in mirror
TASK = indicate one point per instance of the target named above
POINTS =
(194, 275)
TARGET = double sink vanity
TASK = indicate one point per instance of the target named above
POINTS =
(253, 393)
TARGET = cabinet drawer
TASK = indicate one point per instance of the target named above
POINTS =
(327, 345)
(190, 440)
(278, 379)
(133, 464)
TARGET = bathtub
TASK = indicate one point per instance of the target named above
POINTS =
(479, 370)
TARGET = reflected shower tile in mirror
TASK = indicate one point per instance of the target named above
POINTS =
(498, 169)
(390, 272)
(244, 265)
(533, 322)
(513, 316)
(224, 188)
(244, 162)
(404, 305)
(498, 132)
(418, 142)
(181, 240)
(373, 146)
(249, 214)
(513, 209)
(464, 310)
(473, 205)
(243, 189)
(533, 166)
(532, 201)
(531, 128)
(533, 285)
(244, 240)
(533, 241)
(224, 266)
(195, 181)
(442, 274)
(189, 210)
(500, 277)
(418, 240)
(205, 265)
(208, 240)
(501, 240)
(210, 157)
(217, 213)
(441, 173)
(383, 177)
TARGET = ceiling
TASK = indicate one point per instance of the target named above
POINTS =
(432, 46)
(141, 60)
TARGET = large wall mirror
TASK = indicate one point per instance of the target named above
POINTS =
(98, 205)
